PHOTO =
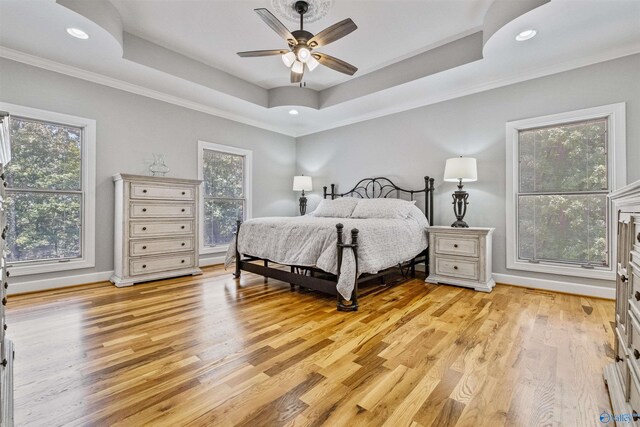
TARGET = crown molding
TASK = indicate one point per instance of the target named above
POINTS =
(101, 79)
(72, 71)
(477, 88)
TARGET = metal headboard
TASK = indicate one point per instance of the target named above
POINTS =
(381, 187)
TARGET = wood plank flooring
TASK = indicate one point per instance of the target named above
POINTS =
(208, 351)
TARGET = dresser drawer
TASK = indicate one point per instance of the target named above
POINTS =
(456, 245)
(624, 368)
(162, 192)
(160, 246)
(160, 264)
(634, 392)
(633, 282)
(463, 269)
(161, 210)
(636, 232)
(160, 228)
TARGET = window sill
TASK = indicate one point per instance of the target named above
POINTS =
(28, 269)
(575, 271)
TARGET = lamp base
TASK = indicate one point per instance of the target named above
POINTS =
(303, 204)
(460, 202)
(460, 224)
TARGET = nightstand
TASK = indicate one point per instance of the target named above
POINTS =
(461, 256)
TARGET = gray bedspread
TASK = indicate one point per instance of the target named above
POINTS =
(310, 241)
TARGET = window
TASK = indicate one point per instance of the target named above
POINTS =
(226, 193)
(50, 191)
(562, 168)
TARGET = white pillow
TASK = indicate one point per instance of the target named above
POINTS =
(383, 208)
(338, 208)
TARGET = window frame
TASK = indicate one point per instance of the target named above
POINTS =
(617, 175)
(88, 184)
(247, 180)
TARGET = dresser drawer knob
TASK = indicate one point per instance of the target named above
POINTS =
(4, 362)
(618, 358)
(144, 265)
(144, 191)
(182, 227)
(144, 209)
(635, 415)
(623, 278)
(455, 267)
(182, 244)
(4, 301)
(144, 247)
(144, 228)
(183, 193)
(8, 273)
(6, 285)
(636, 353)
(182, 261)
(455, 245)
(637, 296)
(5, 326)
(638, 237)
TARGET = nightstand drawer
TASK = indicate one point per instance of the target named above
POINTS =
(463, 269)
(456, 245)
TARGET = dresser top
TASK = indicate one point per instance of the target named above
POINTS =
(159, 179)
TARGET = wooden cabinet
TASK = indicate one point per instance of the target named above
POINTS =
(6, 345)
(461, 256)
(623, 375)
(156, 228)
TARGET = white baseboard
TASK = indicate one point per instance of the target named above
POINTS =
(57, 282)
(82, 279)
(556, 286)
(214, 259)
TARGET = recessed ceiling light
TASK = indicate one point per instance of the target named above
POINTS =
(293, 112)
(77, 33)
(526, 35)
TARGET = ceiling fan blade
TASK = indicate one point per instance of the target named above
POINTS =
(335, 63)
(276, 25)
(252, 53)
(333, 33)
(297, 77)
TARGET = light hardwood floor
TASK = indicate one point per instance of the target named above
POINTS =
(205, 351)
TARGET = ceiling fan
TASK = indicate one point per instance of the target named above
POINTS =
(301, 54)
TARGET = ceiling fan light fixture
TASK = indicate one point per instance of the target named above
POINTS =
(298, 67)
(289, 58)
(312, 63)
(304, 54)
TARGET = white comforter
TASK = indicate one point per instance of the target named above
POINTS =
(309, 241)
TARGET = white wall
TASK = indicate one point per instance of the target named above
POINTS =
(130, 128)
(415, 143)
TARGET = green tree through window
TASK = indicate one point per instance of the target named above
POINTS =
(224, 195)
(44, 191)
(562, 196)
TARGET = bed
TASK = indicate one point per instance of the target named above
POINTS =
(334, 255)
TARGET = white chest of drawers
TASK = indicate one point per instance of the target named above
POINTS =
(623, 376)
(461, 256)
(156, 228)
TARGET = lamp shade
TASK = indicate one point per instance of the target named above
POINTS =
(302, 183)
(461, 168)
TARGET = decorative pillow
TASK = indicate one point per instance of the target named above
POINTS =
(383, 208)
(339, 208)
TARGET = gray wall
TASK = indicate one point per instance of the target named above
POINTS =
(131, 127)
(415, 143)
